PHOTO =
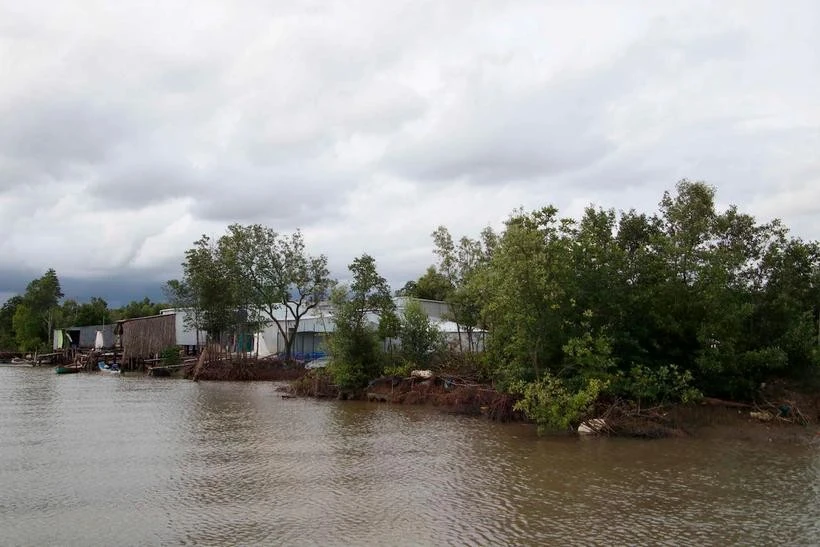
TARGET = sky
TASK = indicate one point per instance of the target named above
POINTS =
(128, 129)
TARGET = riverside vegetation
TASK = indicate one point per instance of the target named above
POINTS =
(620, 314)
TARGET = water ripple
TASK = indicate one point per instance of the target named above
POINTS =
(93, 460)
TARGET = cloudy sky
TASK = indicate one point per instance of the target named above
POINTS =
(127, 129)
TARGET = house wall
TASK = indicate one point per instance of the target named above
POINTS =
(146, 337)
(88, 335)
(311, 336)
(314, 328)
(433, 308)
(187, 336)
(266, 342)
(452, 340)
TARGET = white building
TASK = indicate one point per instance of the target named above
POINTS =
(311, 335)
(314, 328)
(185, 335)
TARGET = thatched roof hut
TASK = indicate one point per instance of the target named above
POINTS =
(146, 337)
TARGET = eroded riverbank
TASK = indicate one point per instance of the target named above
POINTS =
(709, 418)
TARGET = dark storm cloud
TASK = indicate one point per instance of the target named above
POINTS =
(13, 280)
(117, 290)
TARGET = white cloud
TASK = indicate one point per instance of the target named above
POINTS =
(129, 130)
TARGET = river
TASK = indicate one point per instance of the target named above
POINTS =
(91, 459)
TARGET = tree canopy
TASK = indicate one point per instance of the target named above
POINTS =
(720, 297)
(273, 272)
(433, 285)
(245, 279)
(34, 313)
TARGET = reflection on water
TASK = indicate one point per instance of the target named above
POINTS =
(100, 460)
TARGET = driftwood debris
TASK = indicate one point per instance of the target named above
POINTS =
(712, 401)
(783, 411)
(204, 357)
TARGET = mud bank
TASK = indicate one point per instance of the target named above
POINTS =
(743, 423)
(709, 418)
(448, 393)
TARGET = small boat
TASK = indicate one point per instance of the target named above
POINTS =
(69, 369)
(17, 362)
(111, 369)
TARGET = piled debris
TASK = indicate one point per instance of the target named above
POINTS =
(217, 365)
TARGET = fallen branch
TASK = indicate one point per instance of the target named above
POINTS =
(712, 401)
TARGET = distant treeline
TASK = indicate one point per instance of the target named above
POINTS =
(27, 320)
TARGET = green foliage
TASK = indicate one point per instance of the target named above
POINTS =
(398, 367)
(137, 308)
(8, 339)
(272, 271)
(28, 329)
(389, 324)
(431, 286)
(420, 338)
(354, 349)
(588, 356)
(462, 266)
(732, 302)
(93, 312)
(36, 312)
(665, 384)
(354, 344)
(170, 356)
(44, 293)
(529, 304)
(552, 406)
(208, 289)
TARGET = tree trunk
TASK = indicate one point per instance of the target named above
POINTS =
(49, 334)
(291, 337)
(458, 331)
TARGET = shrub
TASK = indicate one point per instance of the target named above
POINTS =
(399, 367)
(355, 357)
(667, 384)
(170, 356)
(552, 406)
(420, 338)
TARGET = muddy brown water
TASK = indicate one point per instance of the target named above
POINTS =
(91, 459)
